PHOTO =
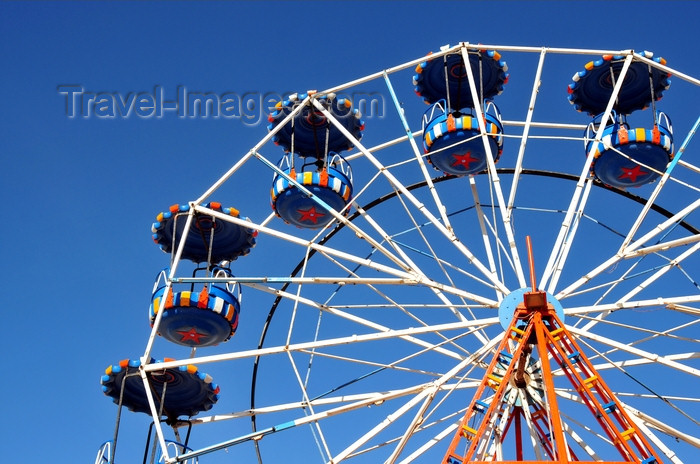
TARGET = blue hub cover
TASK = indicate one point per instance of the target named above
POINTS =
(510, 302)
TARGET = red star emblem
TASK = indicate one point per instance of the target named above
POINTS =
(310, 215)
(463, 160)
(191, 335)
(632, 173)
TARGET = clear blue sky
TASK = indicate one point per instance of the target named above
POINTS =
(81, 192)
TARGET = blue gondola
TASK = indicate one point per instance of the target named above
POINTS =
(312, 143)
(331, 184)
(188, 391)
(197, 318)
(435, 76)
(309, 133)
(228, 241)
(630, 157)
(452, 139)
(592, 88)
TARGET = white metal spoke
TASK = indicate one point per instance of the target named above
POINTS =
(579, 441)
(441, 261)
(568, 241)
(637, 352)
(446, 432)
(660, 444)
(672, 302)
(322, 343)
(361, 399)
(305, 243)
(526, 131)
(662, 271)
(663, 427)
(482, 226)
(652, 333)
(307, 401)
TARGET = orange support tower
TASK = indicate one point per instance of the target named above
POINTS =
(506, 401)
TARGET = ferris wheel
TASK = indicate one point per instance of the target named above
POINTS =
(444, 261)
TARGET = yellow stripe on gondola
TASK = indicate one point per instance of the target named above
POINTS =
(640, 134)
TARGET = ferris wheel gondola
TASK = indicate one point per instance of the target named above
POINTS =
(453, 142)
(205, 317)
(642, 85)
(630, 157)
(181, 391)
(624, 157)
(305, 192)
(208, 240)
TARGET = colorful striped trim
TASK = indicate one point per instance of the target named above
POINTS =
(612, 139)
(463, 123)
(326, 179)
(226, 305)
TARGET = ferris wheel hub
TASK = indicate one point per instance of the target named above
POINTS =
(524, 297)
